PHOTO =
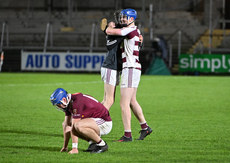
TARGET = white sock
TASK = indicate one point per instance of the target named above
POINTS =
(90, 142)
(102, 143)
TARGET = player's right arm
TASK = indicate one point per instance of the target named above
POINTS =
(113, 31)
(119, 31)
(74, 137)
(66, 123)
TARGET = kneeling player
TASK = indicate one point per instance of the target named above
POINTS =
(90, 120)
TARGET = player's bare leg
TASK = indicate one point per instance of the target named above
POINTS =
(137, 110)
(87, 129)
(109, 95)
(126, 95)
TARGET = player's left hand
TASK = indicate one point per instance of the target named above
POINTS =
(64, 149)
(141, 41)
(73, 151)
(111, 24)
(141, 38)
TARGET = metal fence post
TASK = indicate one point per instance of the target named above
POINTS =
(46, 37)
(210, 28)
(92, 38)
(179, 43)
(170, 55)
(2, 36)
(151, 21)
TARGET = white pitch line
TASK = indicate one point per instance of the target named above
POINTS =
(49, 84)
(86, 82)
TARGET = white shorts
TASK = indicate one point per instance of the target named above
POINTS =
(104, 126)
(110, 76)
(130, 78)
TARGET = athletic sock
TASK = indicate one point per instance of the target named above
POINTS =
(101, 143)
(90, 142)
(128, 134)
(144, 126)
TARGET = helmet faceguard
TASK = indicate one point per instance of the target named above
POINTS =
(60, 99)
(117, 16)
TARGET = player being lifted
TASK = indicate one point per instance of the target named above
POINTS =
(85, 118)
(131, 73)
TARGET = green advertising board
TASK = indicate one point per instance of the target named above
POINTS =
(207, 63)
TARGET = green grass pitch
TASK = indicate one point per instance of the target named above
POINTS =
(190, 117)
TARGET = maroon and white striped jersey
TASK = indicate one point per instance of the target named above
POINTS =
(130, 54)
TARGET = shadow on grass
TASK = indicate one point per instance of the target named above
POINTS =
(29, 133)
(52, 149)
(38, 148)
(108, 138)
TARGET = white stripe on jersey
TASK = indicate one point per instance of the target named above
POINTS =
(127, 30)
(130, 56)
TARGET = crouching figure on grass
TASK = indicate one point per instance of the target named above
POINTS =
(85, 118)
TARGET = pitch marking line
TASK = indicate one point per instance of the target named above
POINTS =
(49, 84)
(69, 83)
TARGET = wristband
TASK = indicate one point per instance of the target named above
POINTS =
(74, 145)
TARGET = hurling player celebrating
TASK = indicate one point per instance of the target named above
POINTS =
(111, 67)
(131, 73)
(85, 118)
